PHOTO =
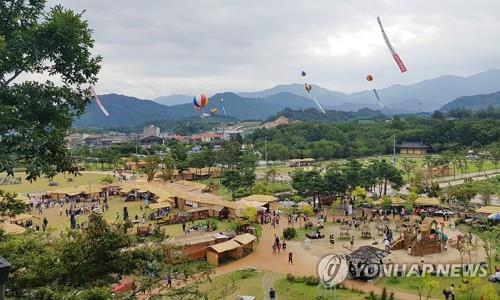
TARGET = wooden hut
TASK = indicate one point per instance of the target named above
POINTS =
(224, 251)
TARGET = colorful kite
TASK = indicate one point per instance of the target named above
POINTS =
(378, 98)
(308, 88)
(94, 95)
(214, 110)
(396, 57)
(223, 109)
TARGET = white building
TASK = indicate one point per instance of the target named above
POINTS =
(151, 131)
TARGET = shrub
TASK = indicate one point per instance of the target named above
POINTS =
(289, 233)
(53, 183)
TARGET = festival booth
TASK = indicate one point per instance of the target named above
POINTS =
(195, 245)
(10, 228)
(79, 193)
(246, 240)
(159, 211)
(220, 253)
(488, 210)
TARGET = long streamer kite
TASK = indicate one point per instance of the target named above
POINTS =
(378, 98)
(396, 57)
(94, 95)
(223, 108)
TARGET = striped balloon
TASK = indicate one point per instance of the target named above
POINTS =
(200, 100)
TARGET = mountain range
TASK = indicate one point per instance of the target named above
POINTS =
(474, 102)
(427, 95)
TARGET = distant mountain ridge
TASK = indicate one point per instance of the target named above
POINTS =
(427, 95)
(473, 102)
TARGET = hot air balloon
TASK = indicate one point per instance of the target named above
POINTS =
(369, 77)
(303, 73)
(200, 100)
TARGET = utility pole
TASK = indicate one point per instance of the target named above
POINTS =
(265, 146)
(394, 150)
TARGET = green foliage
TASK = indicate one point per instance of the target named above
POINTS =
(250, 214)
(9, 205)
(106, 180)
(289, 233)
(308, 280)
(150, 168)
(39, 40)
(307, 210)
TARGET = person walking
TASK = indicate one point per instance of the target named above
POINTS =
(274, 248)
(290, 258)
(169, 280)
(272, 294)
(352, 241)
(283, 245)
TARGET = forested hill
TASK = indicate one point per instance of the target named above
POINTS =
(474, 102)
(355, 139)
(331, 116)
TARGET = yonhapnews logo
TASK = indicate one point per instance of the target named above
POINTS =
(332, 269)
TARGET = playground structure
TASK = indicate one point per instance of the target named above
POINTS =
(428, 239)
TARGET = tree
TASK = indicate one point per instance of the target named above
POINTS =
(271, 173)
(408, 166)
(53, 267)
(9, 205)
(150, 168)
(37, 116)
(386, 203)
(168, 166)
(250, 214)
(209, 157)
(359, 194)
(469, 285)
(232, 181)
(479, 162)
(463, 193)
(425, 286)
(59, 43)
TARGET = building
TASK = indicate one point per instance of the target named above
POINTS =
(300, 162)
(232, 134)
(151, 130)
(206, 137)
(150, 140)
(412, 148)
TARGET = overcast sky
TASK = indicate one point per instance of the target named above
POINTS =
(152, 48)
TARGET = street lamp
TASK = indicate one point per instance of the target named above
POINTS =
(4, 273)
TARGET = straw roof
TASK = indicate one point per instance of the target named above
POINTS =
(245, 238)
(82, 189)
(192, 184)
(12, 228)
(428, 201)
(488, 210)
(159, 205)
(395, 201)
(23, 198)
(19, 218)
(225, 246)
(158, 191)
(260, 198)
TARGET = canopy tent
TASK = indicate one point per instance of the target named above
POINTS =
(161, 205)
(19, 218)
(158, 191)
(260, 198)
(395, 201)
(494, 217)
(488, 210)
(192, 184)
(245, 238)
(427, 201)
(225, 246)
(10, 228)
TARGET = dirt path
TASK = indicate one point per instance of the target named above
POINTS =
(304, 264)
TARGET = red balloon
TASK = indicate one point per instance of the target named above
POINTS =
(369, 77)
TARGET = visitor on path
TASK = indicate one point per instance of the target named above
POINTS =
(169, 280)
(283, 245)
(352, 241)
(272, 294)
(274, 248)
(387, 245)
(278, 245)
(290, 258)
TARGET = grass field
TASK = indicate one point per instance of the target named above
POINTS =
(42, 184)
(410, 285)
(250, 283)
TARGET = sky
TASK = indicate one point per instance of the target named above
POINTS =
(155, 48)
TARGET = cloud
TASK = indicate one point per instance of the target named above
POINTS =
(156, 47)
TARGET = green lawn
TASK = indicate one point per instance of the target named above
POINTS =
(409, 285)
(249, 283)
(42, 184)
(292, 291)
(228, 286)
